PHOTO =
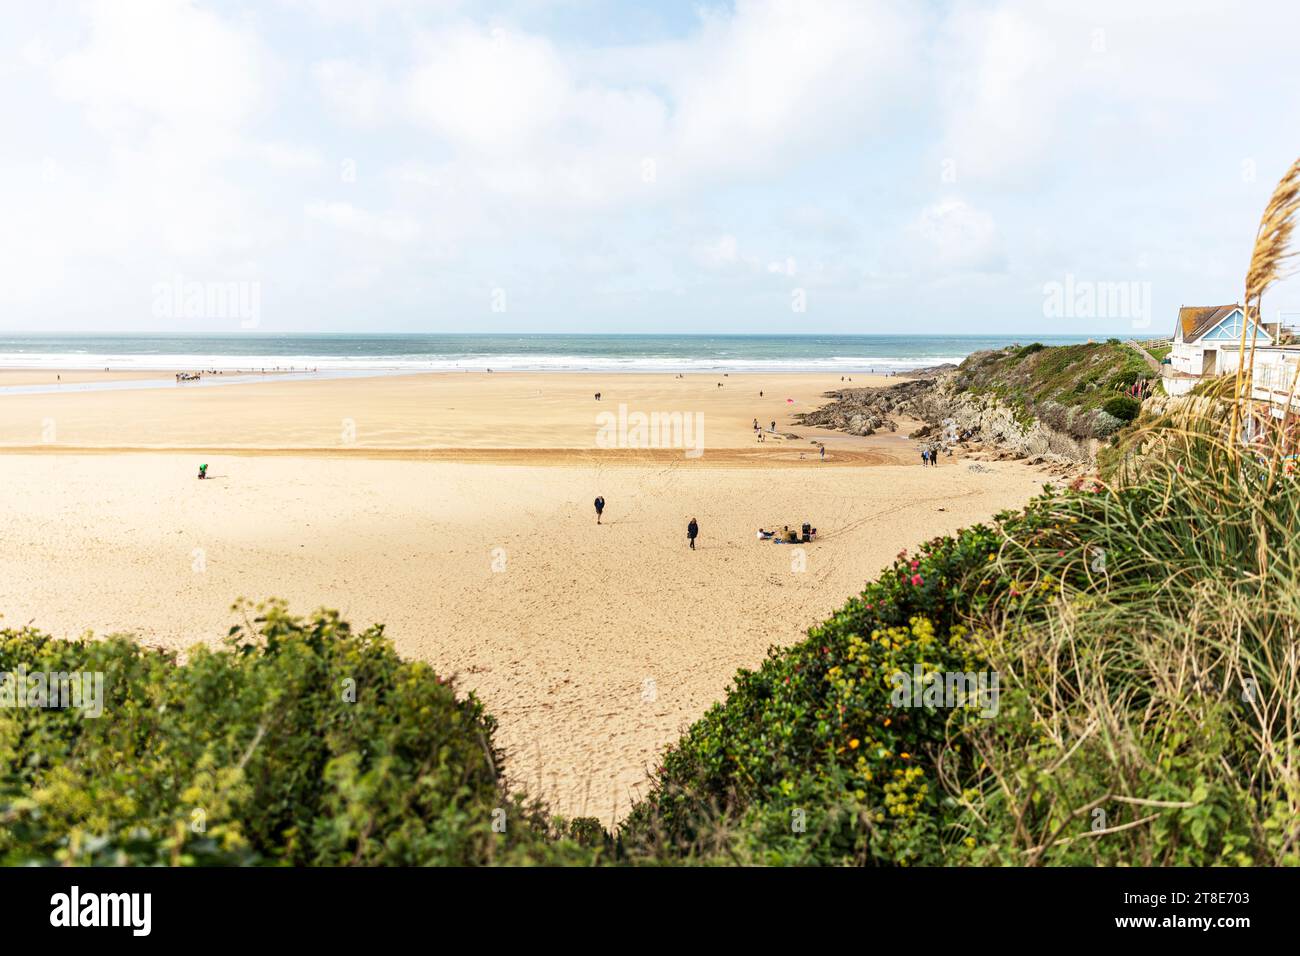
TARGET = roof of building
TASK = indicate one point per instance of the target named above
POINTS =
(1196, 320)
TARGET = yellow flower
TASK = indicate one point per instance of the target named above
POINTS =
(853, 744)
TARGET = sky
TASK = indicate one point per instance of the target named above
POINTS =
(592, 166)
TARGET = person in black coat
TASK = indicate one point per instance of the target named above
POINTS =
(600, 506)
(692, 532)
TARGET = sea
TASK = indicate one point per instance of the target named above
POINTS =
(412, 352)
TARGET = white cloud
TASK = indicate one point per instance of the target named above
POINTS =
(952, 236)
(1002, 94)
(162, 61)
(492, 90)
(743, 94)
(288, 156)
(719, 253)
(360, 94)
(367, 225)
(165, 93)
(778, 79)
(157, 137)
(1025, 86)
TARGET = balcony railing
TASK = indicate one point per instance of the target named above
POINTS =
(1273, 382)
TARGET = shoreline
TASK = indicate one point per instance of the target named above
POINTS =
(37, 381)
(728, 457)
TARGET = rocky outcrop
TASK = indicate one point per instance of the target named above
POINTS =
(985, 419)
(932, 371)
(951, 417)
(865, 411)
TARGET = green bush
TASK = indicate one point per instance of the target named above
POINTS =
(1122, 407)
(301, 742)
(1124, 379)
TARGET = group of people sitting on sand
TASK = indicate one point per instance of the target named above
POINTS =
(788, 535)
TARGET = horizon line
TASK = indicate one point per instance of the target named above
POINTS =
(254, 333)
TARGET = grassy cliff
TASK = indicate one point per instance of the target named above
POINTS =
(1024, 400)
(1076, 389)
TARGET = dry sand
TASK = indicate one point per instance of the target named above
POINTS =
(461, 517)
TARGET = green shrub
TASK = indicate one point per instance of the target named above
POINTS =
(1122, 407)
(301, 742)
(1124, 379)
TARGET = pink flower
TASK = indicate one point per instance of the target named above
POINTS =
(915, 565)
(917, 580)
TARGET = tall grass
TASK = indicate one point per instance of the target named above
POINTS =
(1160, 685)
(1269, 256)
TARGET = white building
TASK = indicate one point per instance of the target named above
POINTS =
(1207, 341)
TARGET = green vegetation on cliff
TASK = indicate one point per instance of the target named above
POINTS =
(1067, 387)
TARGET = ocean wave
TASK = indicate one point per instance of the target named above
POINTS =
(504, 362)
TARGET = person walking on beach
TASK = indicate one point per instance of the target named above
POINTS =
(600, 506)
(924, 456)
(692, 532)
(823, 452)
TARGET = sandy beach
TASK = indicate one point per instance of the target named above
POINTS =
(457, 510)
